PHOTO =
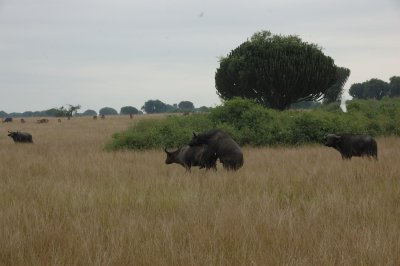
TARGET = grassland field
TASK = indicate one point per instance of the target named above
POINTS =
(64, 200)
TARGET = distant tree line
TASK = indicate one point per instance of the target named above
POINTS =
(150, 106)
(376, 89)
(157, 106)
(370, 89)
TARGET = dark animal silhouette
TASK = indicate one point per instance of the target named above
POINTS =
(42, 121)
(350, 145)
(20, 136)
(7, 119)
(22, 120)
(221, 144)
(95, 117)
(192, 156)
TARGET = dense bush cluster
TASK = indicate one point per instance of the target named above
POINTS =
(251, 124)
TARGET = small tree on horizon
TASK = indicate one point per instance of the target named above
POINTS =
(89, 112)
(186, 106)
(154, 106)
(127, 110)
(370, 89)
(68, 112)
(108, 111)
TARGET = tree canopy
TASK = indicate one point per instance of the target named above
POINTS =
(371, 89)
(186, 106)
(334, 93)
(89, 112)
(154, 106)
(276, 71)
(64, 111)
(108, 111)
(395, 86)
(127, 110)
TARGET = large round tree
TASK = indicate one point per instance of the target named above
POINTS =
(276, 71)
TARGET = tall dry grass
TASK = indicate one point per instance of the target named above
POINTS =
(66, 201)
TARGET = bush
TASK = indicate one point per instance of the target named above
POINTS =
(172, 131)
(250, 123)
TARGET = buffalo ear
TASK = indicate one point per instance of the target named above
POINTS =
(194, 134)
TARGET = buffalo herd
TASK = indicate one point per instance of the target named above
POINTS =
(204, 149)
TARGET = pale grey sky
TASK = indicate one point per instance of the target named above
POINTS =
(99, 53)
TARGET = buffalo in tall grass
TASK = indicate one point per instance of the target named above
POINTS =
(352, 145)
(192, 156)
(20, 136)
(221, 144)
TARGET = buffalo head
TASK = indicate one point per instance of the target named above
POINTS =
(12, 134)
(197, 140)
(332, 140)
(171, 156)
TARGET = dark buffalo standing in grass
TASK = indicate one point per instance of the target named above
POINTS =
(20, 136)
(192, 156)
(221, 144)
(350, 145)
(7, 119)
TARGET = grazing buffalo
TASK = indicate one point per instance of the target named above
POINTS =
(221, 144)
(95, 117)
(42, 121)
(192, 156)
(22, 120)
(7, 119)
(352, 145)
(20, 136)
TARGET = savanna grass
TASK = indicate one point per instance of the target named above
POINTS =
(66, 201)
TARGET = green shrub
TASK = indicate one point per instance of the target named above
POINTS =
(172, 131)
(251, 124)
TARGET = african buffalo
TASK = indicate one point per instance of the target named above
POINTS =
(352, 145)
(221, 144)
(20, 136)
(22, 120)
(42, 121)
(7, 119)
(192, 156)
(95, 117)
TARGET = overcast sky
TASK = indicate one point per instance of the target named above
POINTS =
(99, 53)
